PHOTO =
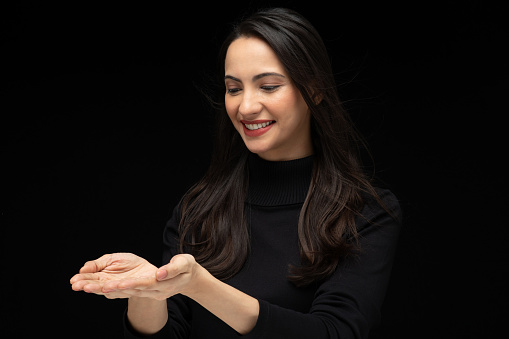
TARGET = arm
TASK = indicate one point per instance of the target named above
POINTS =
(125, 275)
(183, 275)
(348, 304)
(235, 308)
(147, 316)
(176, 325)
(102, 276)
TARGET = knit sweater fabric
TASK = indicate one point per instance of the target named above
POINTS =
(345, 305)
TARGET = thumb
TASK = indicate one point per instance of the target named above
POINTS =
(177, 265)
(96, 265)
(161, 274)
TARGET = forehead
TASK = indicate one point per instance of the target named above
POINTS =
(251, 56)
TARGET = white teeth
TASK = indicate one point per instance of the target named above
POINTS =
(253, 127)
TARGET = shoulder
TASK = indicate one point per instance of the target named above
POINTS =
(383, 200)
(382, 208)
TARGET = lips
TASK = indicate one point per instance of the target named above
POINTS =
(256, 128)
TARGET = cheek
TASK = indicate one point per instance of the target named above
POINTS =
(291, 108)
(298, 102)
(300, 107)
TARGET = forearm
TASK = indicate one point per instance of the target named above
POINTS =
(147, 316)
(237, 309)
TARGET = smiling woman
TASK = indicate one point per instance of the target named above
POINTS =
(284, 236)
(264, 105)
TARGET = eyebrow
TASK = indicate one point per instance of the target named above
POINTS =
(256, 77)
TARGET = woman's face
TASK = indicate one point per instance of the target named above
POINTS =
(263, 103)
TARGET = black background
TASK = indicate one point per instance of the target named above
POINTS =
(103, 130)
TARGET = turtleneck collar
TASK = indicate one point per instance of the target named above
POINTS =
(276, 183)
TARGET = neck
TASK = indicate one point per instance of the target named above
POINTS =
(275, 183)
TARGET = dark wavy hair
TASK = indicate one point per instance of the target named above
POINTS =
(213, 226)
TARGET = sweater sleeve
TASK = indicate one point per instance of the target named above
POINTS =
(179, 314)
(346, 305)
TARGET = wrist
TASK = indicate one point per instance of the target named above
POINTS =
(237, 309)
(199, 282)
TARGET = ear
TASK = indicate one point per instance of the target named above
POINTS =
(315, 95)
(317, 98)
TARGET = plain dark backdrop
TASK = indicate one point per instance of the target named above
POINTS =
(103, 130)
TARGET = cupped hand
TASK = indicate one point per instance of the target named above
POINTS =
(124, 275)
(103, 275)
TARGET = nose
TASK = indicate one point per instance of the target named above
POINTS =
(250, 104)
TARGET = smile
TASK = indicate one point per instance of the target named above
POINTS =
(257, 128)
(253, 127)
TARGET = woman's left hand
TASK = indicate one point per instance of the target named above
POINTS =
(133, 277)
(180, 275)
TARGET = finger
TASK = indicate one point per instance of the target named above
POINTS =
(78, 286)
(96, 265)
(93, 287)
(85, 276)
(89, 286)
(118, 285)
(161, 273)
(110, 286)
(178, 264)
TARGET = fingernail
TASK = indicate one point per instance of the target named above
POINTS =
(161, 274)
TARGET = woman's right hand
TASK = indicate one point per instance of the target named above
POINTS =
(102, 275)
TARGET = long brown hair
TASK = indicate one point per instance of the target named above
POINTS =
(213, 226)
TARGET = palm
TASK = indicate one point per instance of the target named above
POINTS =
(110, 270)
(125, 266)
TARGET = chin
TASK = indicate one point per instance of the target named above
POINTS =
(257, 150)
(265, 154)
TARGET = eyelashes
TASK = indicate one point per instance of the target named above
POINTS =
(268, 89)
(232, 91)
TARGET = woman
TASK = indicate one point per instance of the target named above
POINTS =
(284, 236)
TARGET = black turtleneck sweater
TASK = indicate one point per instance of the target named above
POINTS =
(346, 305)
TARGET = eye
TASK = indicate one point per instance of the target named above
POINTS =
(233, 91)
(270, 88)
